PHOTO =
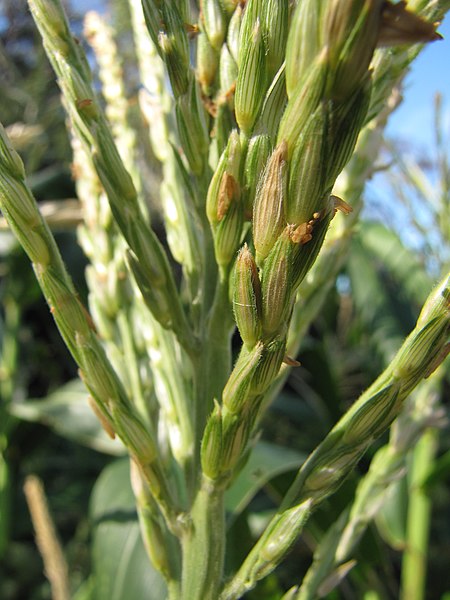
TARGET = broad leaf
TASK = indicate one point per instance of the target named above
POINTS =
(265, 462)
(402, 263)
(391, 518)
(67, 412)
(121, 568)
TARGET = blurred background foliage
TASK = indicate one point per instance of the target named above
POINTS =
(46, 428)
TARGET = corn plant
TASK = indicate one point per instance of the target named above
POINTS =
(251, 111)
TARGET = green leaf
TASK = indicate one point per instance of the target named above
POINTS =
(121, 568)
(5, 505)
(388, 286)
(439, 472)
(402, 263)
(67, 412)
(86, 590)
(323, 568)
(265, 462)
(391, 518)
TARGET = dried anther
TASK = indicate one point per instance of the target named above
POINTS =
(81, 104)
(291, 362)
(341, 205)
(192, 30)
(400, 26)
(302, 234)
(107, 425)
(228, 190)
(210, 105)
(223, 98)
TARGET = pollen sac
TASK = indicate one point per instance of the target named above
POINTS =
(345, 120)
(228, 191)
(276, 28)
(228, 233)
(269, 365)
(214, 22)
(268, 213)
(247, 298)
(304, 254)
(192, 127)
(235, 435)
(9, 159)
(252, 79)
(211, 451)
(153, 296)
(229, 165)
(351, 33)
(255, 161)
(175, 48)
(375, 416)
(238, 389)
(228, 74)
(303, 42)
(307, 171)
(234, 27)
(277, 291)
(134, 434)
(303, 102)
(229, 6)
(207, 63)
(153, 20)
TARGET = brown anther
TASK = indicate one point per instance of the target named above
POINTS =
(291, 362)
(75, 171)
(81, 104)
(316, 216)
(88, 317)
(101, 417)
(400, 26)
(282, 150)
(224, 98)
(302, 234)
(230, 92)
(81, 376)
(227, 191)
(248, 213)
(209, 104)
(341, 205)
(52, 310)
(192, 29)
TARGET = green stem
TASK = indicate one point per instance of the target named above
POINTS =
(5, 498)
(203, 545)
(418, 522)
(8, 358)
(215, 366)
(8, 376)
(129, 351)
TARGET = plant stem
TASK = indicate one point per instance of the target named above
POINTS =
(130, 355)
(418, 523)
(214, 364)
(203, 545)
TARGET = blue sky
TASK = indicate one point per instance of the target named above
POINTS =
(430, 73)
